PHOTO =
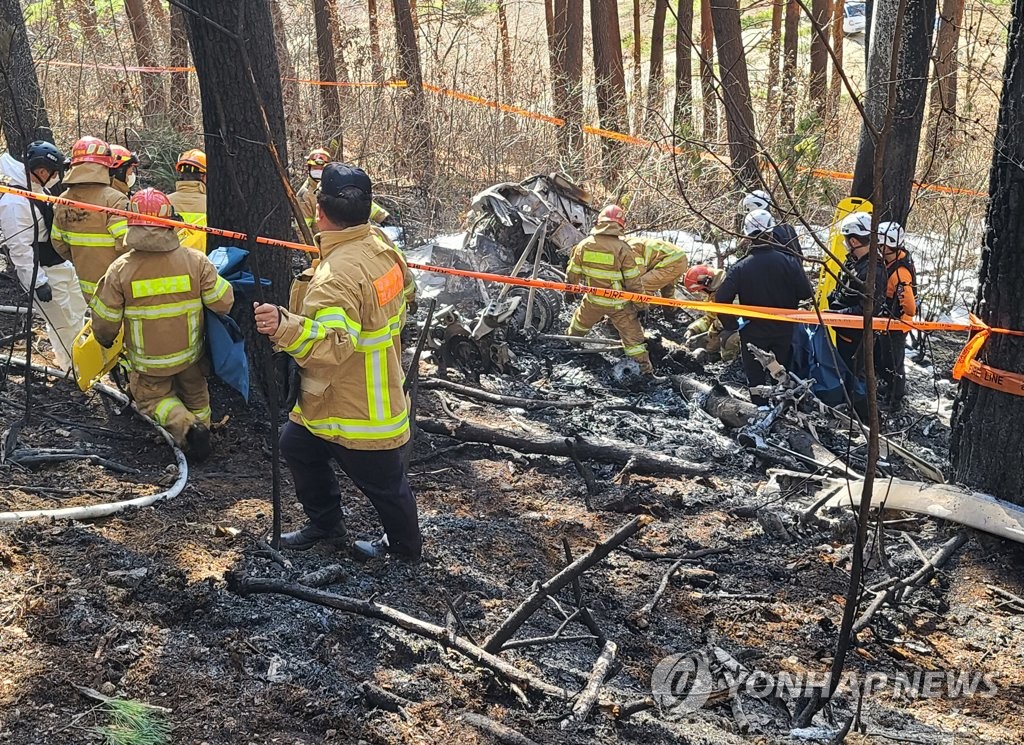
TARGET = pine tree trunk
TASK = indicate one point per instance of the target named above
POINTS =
(739, 112)
(376, 64)
(897, 99)
(421, 162)
(610, 80)
(566, 43)
(181, 115)
(791, 43)
(682, 111)
(838, 37)
(506, 48)
(709, 104)
(330, 103)
(942, 114)
(987, 436)
(87, 20)
(656, 81)
(774, 49)
(230, 107)
(289, 88)
(154, 97)
(821, 11)
(160, 23)
(637, 97)
(22, 110)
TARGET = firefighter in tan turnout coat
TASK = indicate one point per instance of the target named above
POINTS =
(159, 290)
(603, 259)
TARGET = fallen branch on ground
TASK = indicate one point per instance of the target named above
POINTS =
(501, 733)
(523, 613)
(588, 696)
(605, 451)
(380, 699)
(502, 400)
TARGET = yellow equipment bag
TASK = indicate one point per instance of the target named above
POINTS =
(91, 360)
(837, 245)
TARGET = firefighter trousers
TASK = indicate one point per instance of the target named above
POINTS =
(662, 280)
(176, 402)
(589, 314)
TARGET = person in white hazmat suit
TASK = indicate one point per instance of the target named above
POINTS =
(26, 228)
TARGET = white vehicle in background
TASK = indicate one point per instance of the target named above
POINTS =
(854, 19)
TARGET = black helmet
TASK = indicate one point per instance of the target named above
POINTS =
(42, 154)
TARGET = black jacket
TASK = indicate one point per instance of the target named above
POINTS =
(785, 236)
(769, 277)
(849, 293)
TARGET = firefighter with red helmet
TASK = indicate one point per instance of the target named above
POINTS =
(90, 240)
(603, 259)
(706, 332)
(122, 169)
(159, 290)
(189, 197)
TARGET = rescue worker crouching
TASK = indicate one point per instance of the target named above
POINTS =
(767, 277)
(848, 298)
(707, 332)
(316, 161)
(900, 304)
(159, 290)
(189, 197)
(661, 265)
(604, 260)
(26, 228)
(90, 240)
(343, 329)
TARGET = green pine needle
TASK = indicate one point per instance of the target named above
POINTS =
(134, 723)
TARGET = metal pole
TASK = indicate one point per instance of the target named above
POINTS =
(528, 321)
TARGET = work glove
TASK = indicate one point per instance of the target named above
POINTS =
(286, 378)
(44, 292)
(725, 335)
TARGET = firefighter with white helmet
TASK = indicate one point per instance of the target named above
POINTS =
(901, 303)
(189, 197)
(784, 233)
(159, 290)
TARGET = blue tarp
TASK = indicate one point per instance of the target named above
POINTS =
(814, 356)
(230, 264)
(227, 352)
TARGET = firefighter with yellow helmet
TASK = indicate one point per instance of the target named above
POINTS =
(90, 240)
(159, 291)
(315, 163)
(189, 197)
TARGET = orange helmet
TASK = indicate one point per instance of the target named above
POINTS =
(150, 202)
(613, 213)
(318, 157)
(193, 160)
(91, 150)
(122, 156)
(698, 278)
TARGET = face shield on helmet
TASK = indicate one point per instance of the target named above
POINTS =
(699, 278)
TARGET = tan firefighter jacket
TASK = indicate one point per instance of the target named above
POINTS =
(343, 328)
(189, 200)
(603, 259)
(91, 240)
(307, 200)
(158, 289)
(661, 263)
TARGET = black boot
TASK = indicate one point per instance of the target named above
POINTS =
(309, 535)
(197, 441)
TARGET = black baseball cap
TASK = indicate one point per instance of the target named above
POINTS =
(337, 176)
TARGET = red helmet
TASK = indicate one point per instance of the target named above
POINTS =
(699, 278)
(150, 202)
(318, 157)
(91, 150)
(613, 213)
(122, 156)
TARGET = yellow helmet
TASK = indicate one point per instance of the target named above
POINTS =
(193, 160)
(318, 157)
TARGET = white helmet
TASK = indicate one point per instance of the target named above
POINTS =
(891, 234)
(856, 223)
(756, 200)
(757, 222)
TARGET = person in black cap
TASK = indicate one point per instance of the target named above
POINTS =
(343, 329)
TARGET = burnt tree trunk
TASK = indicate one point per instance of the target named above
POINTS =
(179, 57)
(942, 114)
(656, 79)
(506, 48)
(154, 97)
(566, 43)
(330, 102)
(22, 110)
(791, 44)
(376, 68)
(421, 163)
(230, 107)
(289, 87)
(610, 80)
(906, 27)
(775, 49)
(836, 82)
(820, 12)
(87, 20)
(682, 110)
(739, 111)
(709, 105)
(986, 433)
(637, 50)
